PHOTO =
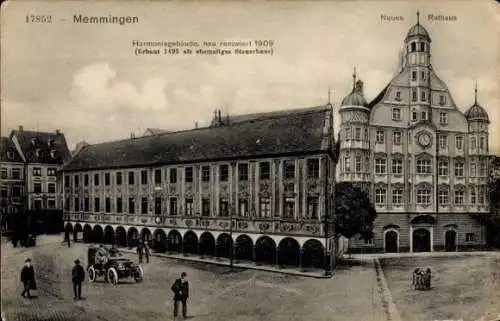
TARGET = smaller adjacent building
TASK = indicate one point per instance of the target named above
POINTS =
(495, 167)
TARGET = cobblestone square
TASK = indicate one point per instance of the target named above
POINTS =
(215, 293)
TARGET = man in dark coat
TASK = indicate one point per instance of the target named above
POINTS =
(77, 277)
(28, 278)
(181, 294)
(139, 251)
(146, 251)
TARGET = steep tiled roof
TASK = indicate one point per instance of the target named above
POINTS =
(260, 135)
(155, 131)
(8, 151)
(42, 147)
(379, 97)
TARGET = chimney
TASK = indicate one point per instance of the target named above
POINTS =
(132, 135)
(58, 131)
(220, 119)
(195, 124)
(21, 128)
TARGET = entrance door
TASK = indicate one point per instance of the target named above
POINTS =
(391, 242)
(421, 240)
(450, 241)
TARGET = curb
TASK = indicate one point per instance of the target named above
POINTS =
(236, 265)
(391, 310)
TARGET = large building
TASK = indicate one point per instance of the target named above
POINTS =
(29, 166)
(423, 161)
(260, 181)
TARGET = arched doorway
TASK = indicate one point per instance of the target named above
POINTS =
(132, 237)
(97, 234)
(78, 229)
(289, 254)
(265, 250)
(87, 234)
(224, 245)
(174, 241)
(159, 241)
(207, 244)
(121, 236)
(391, 241)
(421, 240)
(146, 235)
(313, 254)
(190, 243)
(109, 235)
(244, 248)
(450, 239)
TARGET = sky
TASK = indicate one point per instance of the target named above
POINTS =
(85, 79)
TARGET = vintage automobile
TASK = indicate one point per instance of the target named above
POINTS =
(110, 263)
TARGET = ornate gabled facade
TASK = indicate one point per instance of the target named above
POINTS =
(262, 182)
(11, 181)
(423, 161)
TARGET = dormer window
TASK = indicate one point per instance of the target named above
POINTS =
(33, 141)
(398, 95)
(50, 143)
(38, 152)
(442, 100)
(54, 154)
(10, 154)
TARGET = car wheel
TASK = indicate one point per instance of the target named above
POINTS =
(92, 274)
(139, 274)
(112, 276)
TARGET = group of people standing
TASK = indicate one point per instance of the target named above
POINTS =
(143, 250)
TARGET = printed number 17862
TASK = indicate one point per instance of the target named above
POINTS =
(33, 18)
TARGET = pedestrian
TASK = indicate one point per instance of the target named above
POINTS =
(139, 251)
(181, 294)
(146, 251)
(28, 278)
(68, 238)
(77, 277)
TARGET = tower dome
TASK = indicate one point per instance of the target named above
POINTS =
(356, 96)
(476, 112)
(418, 30)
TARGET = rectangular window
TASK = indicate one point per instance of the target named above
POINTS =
(119, 178)
(380, 196)
(16, 191)
(86, 204)
(473, 171)
(443, 141)
(144, 177)
(157, 176)
(131, 205)
(313, 207)
(414, 115)
(119, 205)
(189, 174)
(397, 196)
(443, 118)
(16, 173)
(313, 168)
(173, 206)
(224, 173)
(205, 174)
(77, 180)
(96, 179)
(481, 142)
(397, 166)
(413, 75)
(380, 137)
(243, 207)
(107, 203)
(189, 207)
(396, 137)
(380, 166)
(205, 207)
(423, 96)
(459, 142)
(472, 196)
(482, 169)
(51, 172)
(443, 197)
(173, 176)
(289, 169)
(265, 170)
(473, 142)
(37, 188)
(97, 205)
(357, 133)
(131, 178)
(224, 207)
(77, 204)
(470, 237)
(265, 207)
(289, 208)
(443, 168)
(481, 195)
(144, 205)
(424, 197)
(51, 188)
(242, 172)
(86, 180)
(66, 204)
(424, 166)
(51, 203)
(107, 179)
(442, 100)
(37, 171)
(347, 164)
(158, 205)
(459, 169)
(398, 95)
(67, 180)
(422, 74)
(396, 113)
(348, 133)
(4, 191)
(357, 165)
(424, 115)
(459, 197)
(414, 95)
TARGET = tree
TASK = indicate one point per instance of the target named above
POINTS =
(353, 210)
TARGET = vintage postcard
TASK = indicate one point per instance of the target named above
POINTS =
(250, 160)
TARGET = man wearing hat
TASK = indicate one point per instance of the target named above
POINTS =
(181, 293)
(28, 278)
(78, 275)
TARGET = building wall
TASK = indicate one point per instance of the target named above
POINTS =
(45, 176)
(9, 186)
